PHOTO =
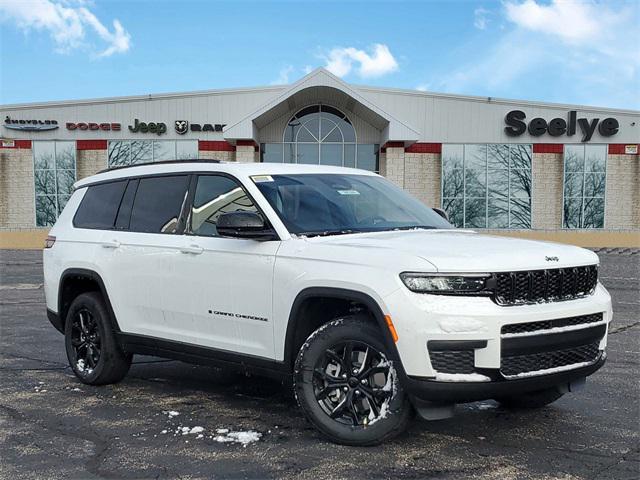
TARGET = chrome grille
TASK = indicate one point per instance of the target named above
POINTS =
(538, 286)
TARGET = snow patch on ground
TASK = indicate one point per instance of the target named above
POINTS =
(171, 413)
(461, 377)
(244, 438)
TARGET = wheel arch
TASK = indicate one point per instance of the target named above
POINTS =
(296, 321)
(75, 281)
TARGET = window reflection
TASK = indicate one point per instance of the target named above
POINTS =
(54, 175)
(487, 186)
(320, 134)
(133, 152)
(215, 195)
(584, 186)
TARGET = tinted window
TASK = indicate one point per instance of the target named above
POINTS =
(124, 212)
(99, 206)
(157, 204)
(216, 195)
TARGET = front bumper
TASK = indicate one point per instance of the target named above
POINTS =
(427, 390)
(477, 326)
(421, 318)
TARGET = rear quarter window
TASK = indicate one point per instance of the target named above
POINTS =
(99, 206)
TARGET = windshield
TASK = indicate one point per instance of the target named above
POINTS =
(331, 204)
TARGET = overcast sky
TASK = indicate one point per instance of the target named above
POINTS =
(582, 52)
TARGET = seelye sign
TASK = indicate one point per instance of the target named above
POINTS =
(516, 125)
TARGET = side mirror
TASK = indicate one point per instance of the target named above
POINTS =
(241, 224)
(442, 213)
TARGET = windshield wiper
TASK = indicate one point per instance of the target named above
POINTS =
(326, 233)
(416, 227)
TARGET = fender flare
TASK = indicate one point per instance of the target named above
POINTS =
(343, 294)
(91, 275)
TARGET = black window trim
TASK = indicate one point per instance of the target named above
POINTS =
(182, 220)
(129, 182)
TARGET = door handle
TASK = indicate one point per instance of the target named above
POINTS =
(111, 244)
(192, 249)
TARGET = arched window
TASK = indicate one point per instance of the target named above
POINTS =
(320, 134)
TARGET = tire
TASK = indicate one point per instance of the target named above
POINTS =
(531, 400)
(368, 407)
(92, 350)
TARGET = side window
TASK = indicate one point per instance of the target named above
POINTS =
(215, 195)
(124, 212)
(157, 204)
(99, 206)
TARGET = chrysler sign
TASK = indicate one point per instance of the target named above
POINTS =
(30, 125)
(516, 125)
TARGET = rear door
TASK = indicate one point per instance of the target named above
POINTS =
(140, 254)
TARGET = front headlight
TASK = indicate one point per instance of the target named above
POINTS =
(446, 283)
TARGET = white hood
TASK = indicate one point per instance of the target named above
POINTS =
(466, 251)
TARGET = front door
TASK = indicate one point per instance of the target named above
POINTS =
(225, 283)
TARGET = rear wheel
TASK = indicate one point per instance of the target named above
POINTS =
(92, 350)
(538, 399)
(347, 386)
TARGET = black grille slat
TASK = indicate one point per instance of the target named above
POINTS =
(516, 364)
(452, 361)
(538, 286)
(548, 324)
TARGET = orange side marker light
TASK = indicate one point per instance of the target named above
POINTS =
(392, 329)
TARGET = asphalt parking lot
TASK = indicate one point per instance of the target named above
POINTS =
(52, 426)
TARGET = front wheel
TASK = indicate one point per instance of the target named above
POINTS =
(347, 386)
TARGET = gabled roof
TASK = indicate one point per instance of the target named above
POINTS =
(321, 86)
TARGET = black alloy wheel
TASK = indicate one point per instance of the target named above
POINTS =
(92, 348)
(85, 340)
(353, 383)
(347, 383)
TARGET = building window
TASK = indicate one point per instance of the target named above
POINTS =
(487, 186)
(54, 166)
(585, 175)
(321, 135)
(133, 152)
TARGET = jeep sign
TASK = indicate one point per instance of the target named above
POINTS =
(516, 125)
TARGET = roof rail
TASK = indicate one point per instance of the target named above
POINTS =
(162, 162)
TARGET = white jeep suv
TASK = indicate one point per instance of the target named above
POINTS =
(370, 301)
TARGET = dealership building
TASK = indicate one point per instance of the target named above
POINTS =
(559, 172)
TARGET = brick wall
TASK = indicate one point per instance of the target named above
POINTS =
(422, 177)
(246, 154)
(17, 196)
(224, 156)
(622, 207)
(394, 165)
(90, 162)
(546, 196)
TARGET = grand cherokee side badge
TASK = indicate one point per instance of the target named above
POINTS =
(552, 259)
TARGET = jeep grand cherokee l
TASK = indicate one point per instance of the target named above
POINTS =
(370, 301)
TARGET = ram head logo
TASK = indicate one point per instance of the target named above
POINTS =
(182, 126)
